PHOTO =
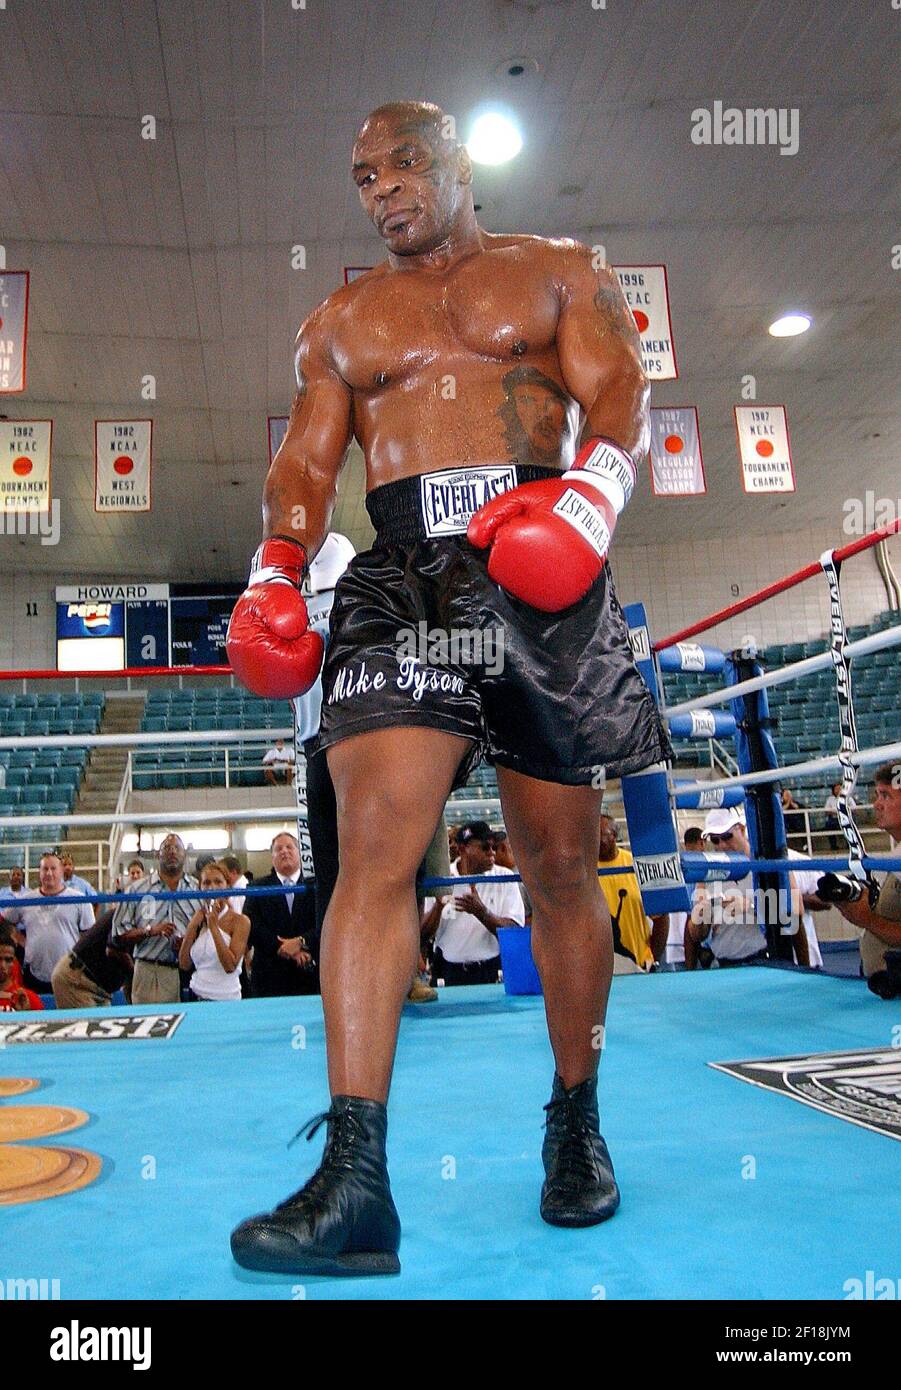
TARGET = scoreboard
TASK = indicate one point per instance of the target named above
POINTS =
(111, 626)
(199, 625)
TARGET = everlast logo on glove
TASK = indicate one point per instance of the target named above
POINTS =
(586, 519)
(451, 498)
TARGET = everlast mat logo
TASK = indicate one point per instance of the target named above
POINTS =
(451, 498)
(658, 870)
(123, 1028)
(863, 1087)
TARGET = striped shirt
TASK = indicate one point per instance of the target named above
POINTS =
(148, 912)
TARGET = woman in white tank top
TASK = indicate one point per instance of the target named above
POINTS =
(215, 942)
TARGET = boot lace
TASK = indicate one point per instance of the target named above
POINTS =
(347, 1133)
(575, 1162)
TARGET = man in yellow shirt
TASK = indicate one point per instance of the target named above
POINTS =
(632, 934)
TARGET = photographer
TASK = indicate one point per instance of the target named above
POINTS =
(726, 915)
(215, 942)
(878, 912)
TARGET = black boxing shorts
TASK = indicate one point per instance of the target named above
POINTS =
(420, 635)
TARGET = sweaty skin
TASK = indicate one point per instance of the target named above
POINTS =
(464, 347)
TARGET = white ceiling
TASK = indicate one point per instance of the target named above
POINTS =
(172, 256)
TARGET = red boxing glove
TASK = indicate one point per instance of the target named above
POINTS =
(270, 647)
(549, 539)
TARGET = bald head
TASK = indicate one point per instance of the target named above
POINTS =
(409, 116)
(414, 177)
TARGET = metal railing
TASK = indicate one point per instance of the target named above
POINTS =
(90, 857)
(223, 764)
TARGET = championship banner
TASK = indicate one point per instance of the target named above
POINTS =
(278, 428)
(647, 295)
(677, 468)
(764, 449)
(122, 465)
(13, 330)
(25, 465)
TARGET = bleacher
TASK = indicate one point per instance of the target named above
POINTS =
(804, 711)
(42, 781)
(189, 710)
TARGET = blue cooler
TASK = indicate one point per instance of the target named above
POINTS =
(520, 975)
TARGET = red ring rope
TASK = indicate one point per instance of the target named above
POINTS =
(779, 586)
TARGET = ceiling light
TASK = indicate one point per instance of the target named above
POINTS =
(494, 139)
(790, 325)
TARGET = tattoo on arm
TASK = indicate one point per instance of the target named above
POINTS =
(613, 309)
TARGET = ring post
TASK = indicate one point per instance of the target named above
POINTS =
(756, 752)
(649, 816)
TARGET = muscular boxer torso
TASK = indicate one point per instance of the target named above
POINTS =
(457, 367)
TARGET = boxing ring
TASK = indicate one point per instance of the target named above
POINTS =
(132, 1139)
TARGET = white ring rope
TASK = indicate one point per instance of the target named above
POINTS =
(876, 642)
(865, 758)
(224, 814)
(145, 740)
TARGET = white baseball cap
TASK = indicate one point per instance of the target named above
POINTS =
(722, 819)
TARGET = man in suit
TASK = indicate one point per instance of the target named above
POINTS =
(283, 929)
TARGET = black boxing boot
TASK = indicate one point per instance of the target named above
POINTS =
(343, 1220)
(579, 1189)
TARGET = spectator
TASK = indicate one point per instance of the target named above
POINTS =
(94, 969)
(793, 811)
(725, 914)
(283, 929)
(154, 928)
(278, 763)
(503, 858)
(880, 921)
(215, 942)
(236, 879)
(16, 886)
(136, 871)
(200, 863)
(453, 849)
(52, 928)
(693, 840)
(465, 927)
(830, 806)
(74, 880)
(14, 998)
(635, 936)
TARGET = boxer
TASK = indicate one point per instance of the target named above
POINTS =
(469, 366)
